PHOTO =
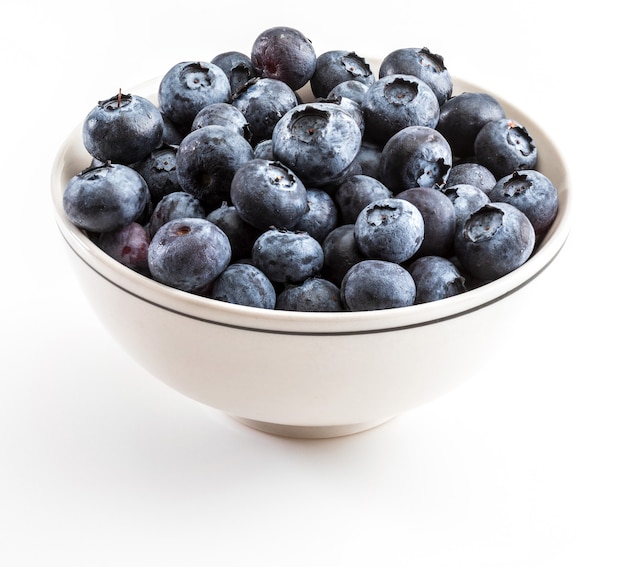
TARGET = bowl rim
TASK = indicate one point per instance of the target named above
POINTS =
(72, 158)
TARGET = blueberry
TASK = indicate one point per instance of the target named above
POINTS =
(494, 241)
(439, 217)
(465, 200)
(188, 87)
(264, 101)
(321, 215)
(341, 252)
(223, 114)
(128, 245)
(318, 141)
(312, 295)
(263, 150)
(244, 284)
(237, 66)
(241, 235)
(504, 146)
(420, 62)
(267, 193)
(377, 284)
(395, 102)
(105, 198)
(285, 54)
(352, 89)
(337, 66)
(436, 278)
(368, 159)
(159, 172)
(471, 173)
(122, 129)
(389, 229)
(533, 194)
(286, 256)
(350, 106)
(463, 116)
(171, 133)
(176, 205)
(417, 156)
(355, 192)
(188, 254)
(206, 162)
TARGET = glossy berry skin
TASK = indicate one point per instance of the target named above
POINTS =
(241, 235)
(471, 173)
(533, 194)
(439, 217)
(237, 66)
(189, 86)
(465, 200)
(188, 254)
(321, 215)
(494, 241)
(105, 198)
(436, 278)
(395, 102)
(159, 172)
(389, 229)
(417, 156)
(463, 116)
(318, 141)
(128, 245)
(504, 146)
(223, 114)
(421, 63)
(377, 284)
(284, 54)
(341, 252)
(355, 192)
(337, 66)
(122, 129)
(313, 295)
(286, 256)
(264, 101)
(177, 205)
(352, 89)
(267, 193)
(207, 160)
(244, 284)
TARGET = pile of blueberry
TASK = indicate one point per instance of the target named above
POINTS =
(373, 193)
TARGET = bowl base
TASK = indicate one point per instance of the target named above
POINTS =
(309, 431)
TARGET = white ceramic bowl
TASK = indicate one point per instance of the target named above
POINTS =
(306, 374)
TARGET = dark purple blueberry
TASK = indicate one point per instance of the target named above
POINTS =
(463, 116)
(439, 219)
(284, 54)
(368, 159)
(264, 101)
(420, 62)
(355, 192)
(207, 160)
(321, 215)
(465, 199)
(241, 235)
(352, 89)
(417, 156)
(435, 278)
(176, 205)
(341, 252)
(171, 133)
(263, 150)
(338, 66)
(533, 194)
(128, 245)
(504, 146)
(105, 198)
(494, 241)
(188, 254)
(318, 141)
(223, 114)
(389, 229)
(237, 66)
(396, 101)
(286, 256)
(244, 284)
(377, 284)
(313, 295)
(188, 87)
(122, 129)
(159, 172)
(267, 193)
(471, 173)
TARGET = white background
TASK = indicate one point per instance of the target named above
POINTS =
(522, 466)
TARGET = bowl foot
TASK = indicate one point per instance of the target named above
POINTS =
(309, 431)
